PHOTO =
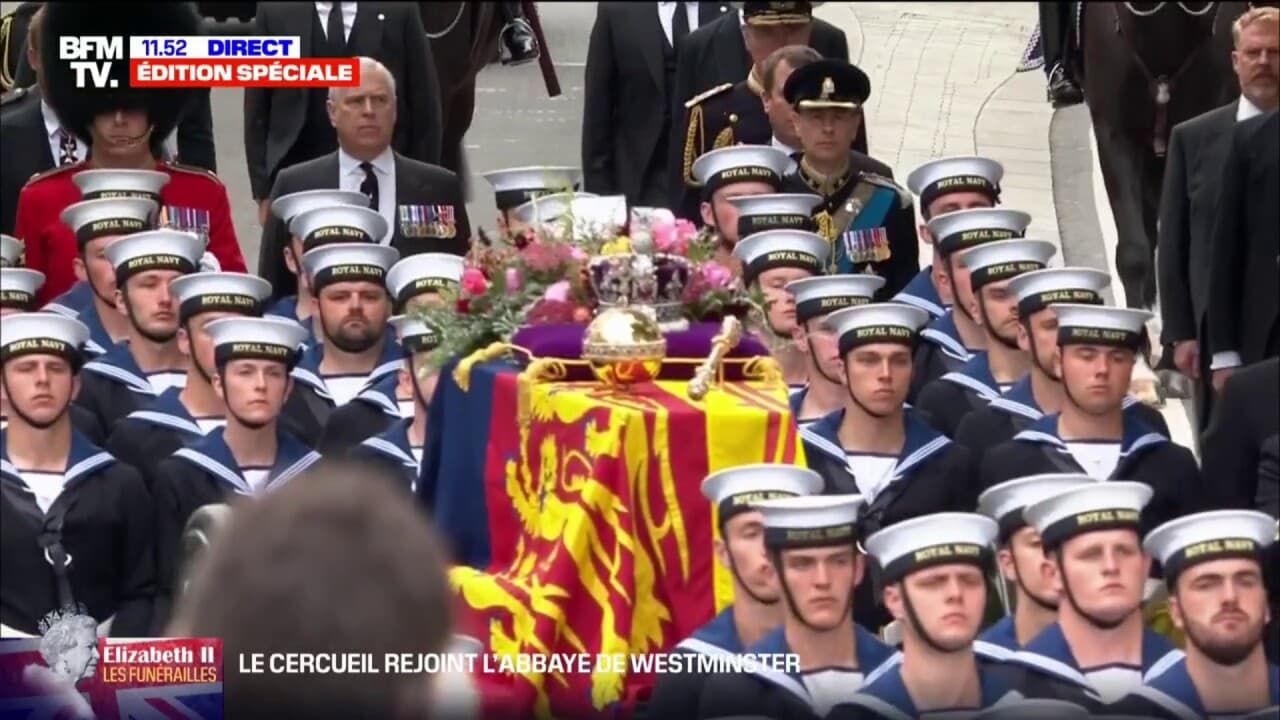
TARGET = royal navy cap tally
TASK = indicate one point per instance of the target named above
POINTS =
(1206, 536)
(424, 273)
(931, 540)
(1110, 505)
(1039, 289)
(777, 13)
(1101, 325)
(818, 296)
(337, 224)
(42, 333)
(155, 250)
(810, 520)
(415, 335)
(10, 251)
(1005, 502)
(513, 187)
(548, 208)
(885, 322)
(225, 292)
(349, 262)
(18, 287)
(97, 184)
(93, 219)
(287, 207)
(781, 248)
(740, 163)
(948, 175)
(964, 229)
(827, 84)
(782, 211)
(1004, 259)
(739, 489)
(263, 338)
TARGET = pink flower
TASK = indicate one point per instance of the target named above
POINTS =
(664, 235)
(577, 254)
(559, 292)
(716, 275)
(686, 230)
(513, 280)
(474, 282)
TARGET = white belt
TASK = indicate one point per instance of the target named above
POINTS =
(104, 629)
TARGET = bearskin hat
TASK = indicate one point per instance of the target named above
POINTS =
(77, 107)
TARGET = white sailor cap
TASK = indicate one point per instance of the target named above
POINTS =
(424, 273)
(10, 251)
(1110, 505)
(810, 521)
(818, 296)
(1004, 259)
(782, 248)
(224, 292)
(738, 489)
(18, 287)
(960, 173)
(287, 207)
(337, 224)
(42, 333)
(513, 187)
(548, 208)
(252, 338)
(1101, 325)
(1005, 502)
(740, 163)
(963, 229)
(415, 335)
(349, 262)
(96, 184)
(93, 219)
(1021, 708)
(775, 211)
(1215, 535)
(154, 250)
(885, 322)
(1039, 289)
(929, 540)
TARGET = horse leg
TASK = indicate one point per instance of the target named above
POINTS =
(1122, 174)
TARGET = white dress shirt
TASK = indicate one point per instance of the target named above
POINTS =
(350, 176)
(348, 17)
(667, 13)
(52, 125)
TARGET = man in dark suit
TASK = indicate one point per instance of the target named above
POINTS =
(631, 60)
(287, 126)
(422, 203)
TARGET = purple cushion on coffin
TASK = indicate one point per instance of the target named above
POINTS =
(565, 342)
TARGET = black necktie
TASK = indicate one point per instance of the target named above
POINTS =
(334, 30)
(679, 24)
(370, 185)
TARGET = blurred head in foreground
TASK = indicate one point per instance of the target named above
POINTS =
(333, 562)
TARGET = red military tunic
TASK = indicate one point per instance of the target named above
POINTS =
(194, 199)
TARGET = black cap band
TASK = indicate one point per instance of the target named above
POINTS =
(959, 183)
(107, 227)
(512, 199)
(17, 299)
(781, 259)
(1035, 303)
(1208, 551)
(331, 234)
(873, 334)
(735, 505)
(1093, 521)
(422, 286)
(944, 554)
(351, 272)
(147, 263)
(1108, 337)
(225, 353)
(817, 307)
(105, 194)
(982, 277)
(740, 174)
(966, 239)
(752, 224)
(425, 342)
(220, 302)
(785, 538)
(42, 346)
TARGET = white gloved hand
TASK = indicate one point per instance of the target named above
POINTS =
(209, 263)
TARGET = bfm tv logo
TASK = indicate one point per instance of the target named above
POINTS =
(91, 58)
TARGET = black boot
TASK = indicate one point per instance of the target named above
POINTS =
(1063, 89)
(516, 42)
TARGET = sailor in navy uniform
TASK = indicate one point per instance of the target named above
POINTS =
(76, 524)
(18, 288)
(945, 186)
(775, 211)
(1099, 649)
(299, 307)
(356, 350)
(740, 548)
(868, 218)
(10, 251)
(250, 455)
(815, 299)
(97, 224)
(957, 336)
(732, 175)
(770, 261)
(1020, 556)
(133, 372)
(933, 571)
(181, 416)
(414, 282)
(813, 545)
(513, 187)
(1041, 391)
(946, 400)
(1093, 434)
(1213, 567)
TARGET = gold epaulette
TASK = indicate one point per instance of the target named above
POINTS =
(904, 195)
(194, 170)
(53, 171)
(710, 93)
(6, 37)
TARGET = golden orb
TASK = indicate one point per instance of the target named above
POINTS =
(624, 346)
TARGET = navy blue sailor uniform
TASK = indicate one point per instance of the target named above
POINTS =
(921, 292)
(887, 698)
(372, 411)
(679, 694)
(1171, 694)
(73, 302)
(941, 351)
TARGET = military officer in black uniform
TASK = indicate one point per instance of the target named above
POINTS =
(76, 523)
(740, 548)
(1092, 433)
(250, 455)
(513, 187)
(869, 219)
(181, 416)
(813, 545)
(728, 180)
(990, 267)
